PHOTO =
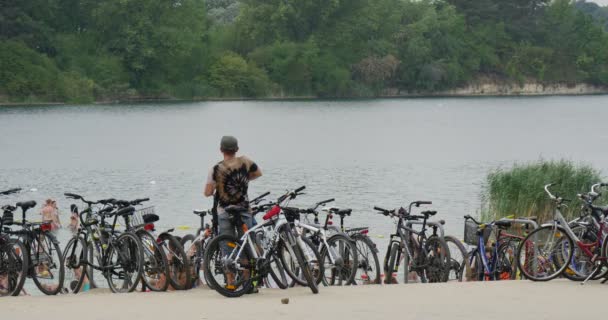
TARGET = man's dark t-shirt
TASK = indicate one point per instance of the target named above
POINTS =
(231, 180)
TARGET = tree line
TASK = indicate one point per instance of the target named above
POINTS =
(87, 50)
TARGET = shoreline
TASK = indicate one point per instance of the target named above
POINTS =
(310, 98)
(434, 301)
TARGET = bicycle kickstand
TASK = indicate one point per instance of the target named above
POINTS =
(597, 268)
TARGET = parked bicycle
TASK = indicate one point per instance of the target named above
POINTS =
(495, 261)
(45, 265)
(99, 246)
(14, 264)
(547, 251)
(368, 265)
(232, 265)
(426, 255)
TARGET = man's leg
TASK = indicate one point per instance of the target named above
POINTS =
(226, 227)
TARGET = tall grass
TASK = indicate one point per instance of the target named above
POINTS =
(519, 190)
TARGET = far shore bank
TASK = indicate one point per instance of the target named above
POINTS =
(472, 90)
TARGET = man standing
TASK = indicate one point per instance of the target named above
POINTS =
(229, 180)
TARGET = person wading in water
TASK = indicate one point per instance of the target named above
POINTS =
(228, 182)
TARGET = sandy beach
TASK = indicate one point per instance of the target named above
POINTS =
(490, 300)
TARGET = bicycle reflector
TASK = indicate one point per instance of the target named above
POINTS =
(149, 226)
(46, 227)
(272, 212)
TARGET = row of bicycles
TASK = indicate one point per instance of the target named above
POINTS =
(117, 243)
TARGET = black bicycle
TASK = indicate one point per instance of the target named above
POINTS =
(155, 273)
(98, 246)
(13, 257)
(45, 265)
(427, 256)
(368, 265)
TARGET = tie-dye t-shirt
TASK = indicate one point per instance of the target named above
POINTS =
(231, 180)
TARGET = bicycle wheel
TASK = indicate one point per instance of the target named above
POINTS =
(506, 266)
(459, 260)
(544, 253)
(344, 252)
(437, 265)
(228, 274)
(477, 268)
(306, 268)
(368, 265)
(391, 266)
(155, 274)
(74, 260)
(123, 263)
(277, 272)
(13, 267)
(178, 263)
(581, 266)
(46, 264)
(195, 255)
(292, 267)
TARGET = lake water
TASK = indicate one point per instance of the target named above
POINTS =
(363, 153)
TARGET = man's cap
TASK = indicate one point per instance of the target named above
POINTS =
(229, 143)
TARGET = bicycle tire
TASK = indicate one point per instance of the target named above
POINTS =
(366, 247)
(279, 279)
(437, 262)
(155, 274)
(292, 269)
(14, 266)
(478, 272)
(345, 274)
(459, 262)
(178, 263)
(73, 261)
(213, 249)
(130, 258)
(573, 272)
(529, 241)
(304, 266)
(506, 266)
(391, 265)
(53, 246)
(195, 260)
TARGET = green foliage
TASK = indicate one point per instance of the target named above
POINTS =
(232, 76)
(26, 74)
(519, 190)
(85, 50)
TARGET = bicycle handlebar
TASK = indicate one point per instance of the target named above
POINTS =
(138, 201)
(468, 217)
(259, 198)
(291, 194)
(10, 191)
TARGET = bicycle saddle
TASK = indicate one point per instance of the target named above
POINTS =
(201, 213)
(235, 209)
(26, 205)
(429, 213)
(342, 212)
(150, 217)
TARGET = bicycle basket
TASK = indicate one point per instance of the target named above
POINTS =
(470, 232)
(139, 216)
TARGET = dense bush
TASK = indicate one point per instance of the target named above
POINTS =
(519, 190)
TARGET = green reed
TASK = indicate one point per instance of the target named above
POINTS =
(519, 190)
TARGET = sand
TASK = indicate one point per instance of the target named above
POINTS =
(559, 299)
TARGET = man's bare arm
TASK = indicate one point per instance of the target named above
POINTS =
(209, 189)
(256, 174)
